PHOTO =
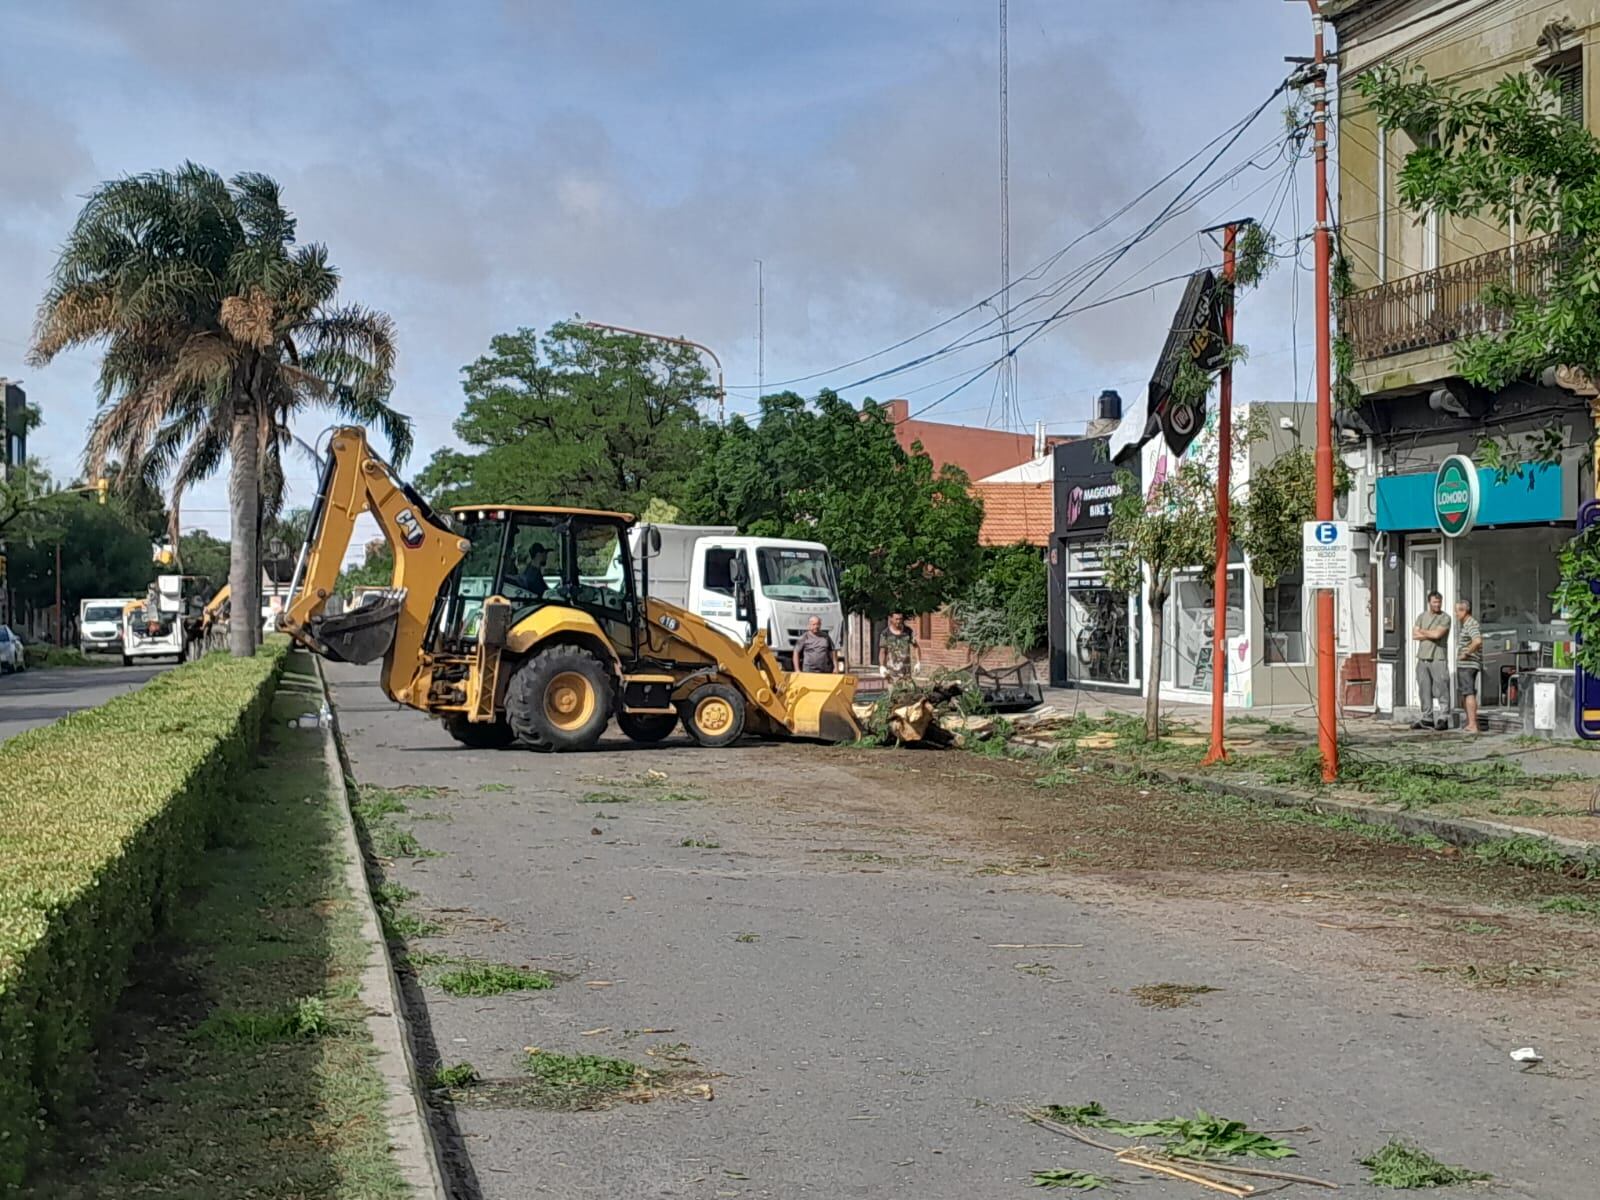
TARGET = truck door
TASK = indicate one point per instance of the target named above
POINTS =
(719, 598)
(604, 585)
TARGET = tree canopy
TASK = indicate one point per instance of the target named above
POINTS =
(580, 416)
(217, 328)
(1509, 153)
(103, 553)
(905, 535)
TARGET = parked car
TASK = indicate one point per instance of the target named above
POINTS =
(12, 655)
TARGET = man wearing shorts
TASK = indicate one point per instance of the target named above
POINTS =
(1469, 662)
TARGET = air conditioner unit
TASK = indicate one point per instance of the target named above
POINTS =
(1359, 505)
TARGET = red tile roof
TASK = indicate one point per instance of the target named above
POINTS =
(1016, 512)
(976, 450)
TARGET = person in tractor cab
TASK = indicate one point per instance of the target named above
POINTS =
(531, 578)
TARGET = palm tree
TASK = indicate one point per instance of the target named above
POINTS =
(217, 331)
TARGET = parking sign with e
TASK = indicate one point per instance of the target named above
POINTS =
(1327, 554)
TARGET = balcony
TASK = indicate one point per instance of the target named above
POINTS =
(1435, 308)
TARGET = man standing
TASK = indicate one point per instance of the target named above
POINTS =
(898, 652)
(814, 650)
(1432, 635)
(1469, 662)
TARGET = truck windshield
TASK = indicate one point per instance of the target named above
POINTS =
(796, 573)
(103, 612)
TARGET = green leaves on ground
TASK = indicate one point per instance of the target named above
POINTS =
(458, 1075)
(1201, 1136)
(304, 1018)
(1083, 1181)
(578, 1081)
(1402, 1165)
(492, 979)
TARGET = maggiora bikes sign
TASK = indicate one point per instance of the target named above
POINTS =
(1455, 495)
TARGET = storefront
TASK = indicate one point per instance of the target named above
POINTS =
(1462, 531)
(1094, 629)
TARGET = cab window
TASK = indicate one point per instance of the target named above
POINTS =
(601, 582)
(535, 568)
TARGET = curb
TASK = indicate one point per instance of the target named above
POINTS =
(410, 1134)
(1456, 831)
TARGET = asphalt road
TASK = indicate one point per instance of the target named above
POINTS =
(39, 696)
(872, 1006)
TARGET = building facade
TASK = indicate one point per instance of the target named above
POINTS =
(1418, 286)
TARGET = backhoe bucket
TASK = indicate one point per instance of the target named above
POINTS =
(361, 635)
(819, 706)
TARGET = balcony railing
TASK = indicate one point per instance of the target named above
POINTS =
(1437, 307)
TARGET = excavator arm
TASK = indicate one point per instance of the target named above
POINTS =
(355, 479)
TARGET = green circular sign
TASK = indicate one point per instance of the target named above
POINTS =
(1455, 495)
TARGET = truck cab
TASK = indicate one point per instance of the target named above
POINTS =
(743, 585)
(100, 624)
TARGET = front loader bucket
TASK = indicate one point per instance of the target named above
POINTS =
(361, 635)
(820, 706)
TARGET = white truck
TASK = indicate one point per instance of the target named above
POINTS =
(157, 626)
(100, 624)
(743, 584)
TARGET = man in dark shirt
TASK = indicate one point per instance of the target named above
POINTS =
(531, 579)
(815, 651)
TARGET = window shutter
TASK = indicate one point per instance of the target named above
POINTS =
(1569, 79)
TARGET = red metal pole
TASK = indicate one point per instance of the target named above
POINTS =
(1218, 752)
(1327, 665)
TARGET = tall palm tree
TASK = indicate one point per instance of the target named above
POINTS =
(217, 331)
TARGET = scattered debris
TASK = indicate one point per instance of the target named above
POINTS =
(1135, 1157)
(1170, 995)
(1527, 1055)
(1036, 945)
(1402, 1165)
(1202, 1136)
(1083, 1181)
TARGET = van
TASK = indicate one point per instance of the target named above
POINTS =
(100, 624)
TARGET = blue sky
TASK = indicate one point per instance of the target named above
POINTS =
(486, 164)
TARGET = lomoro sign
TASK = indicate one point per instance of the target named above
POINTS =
(1455, 495)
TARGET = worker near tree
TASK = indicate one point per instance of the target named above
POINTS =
(898, 652)
(814, 650)
(1431, 633)
(1469, 662)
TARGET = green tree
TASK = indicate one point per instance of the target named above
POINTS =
(1507, 153)
(905, 536)
(581, 416)
(376, 569)
(1152, 534)
(103, 553)
(217, 329)
(199, 553)
(1007, 604)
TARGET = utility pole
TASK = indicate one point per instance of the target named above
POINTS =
(1009, 407)
(761, 330)
(1218, 752)
(59, 626)
(1327, 666)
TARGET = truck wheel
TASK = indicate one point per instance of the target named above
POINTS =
(127, 660)
(713, 715)
(560, 699)
(479, 735)
(647, 727)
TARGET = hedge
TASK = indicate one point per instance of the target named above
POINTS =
(101, 816)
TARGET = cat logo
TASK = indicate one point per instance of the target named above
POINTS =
(410, 528)
(669, 623)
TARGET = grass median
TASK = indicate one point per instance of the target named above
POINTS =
(240, 1065)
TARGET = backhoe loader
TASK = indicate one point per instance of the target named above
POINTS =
(525, 624)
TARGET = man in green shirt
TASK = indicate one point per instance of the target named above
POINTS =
(1432, 635)
(1469, 662)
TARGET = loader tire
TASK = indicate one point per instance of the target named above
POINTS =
(560, 699)
(479, 735)
(713, 715)
(647, 727)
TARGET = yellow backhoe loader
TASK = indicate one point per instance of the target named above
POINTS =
(517, 623)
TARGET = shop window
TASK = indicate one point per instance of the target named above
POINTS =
(1190, 625)
(1283, 619)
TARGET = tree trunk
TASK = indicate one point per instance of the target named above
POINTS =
(1152, 681)
(244, 507)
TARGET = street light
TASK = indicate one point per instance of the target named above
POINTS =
(678, 341)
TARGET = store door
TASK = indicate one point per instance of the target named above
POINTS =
(1422, 579)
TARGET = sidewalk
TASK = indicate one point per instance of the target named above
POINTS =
(1493, 784)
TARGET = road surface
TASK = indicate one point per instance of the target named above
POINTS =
(876, 959)
(40, 696)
